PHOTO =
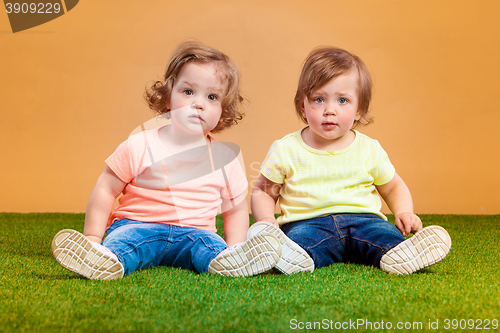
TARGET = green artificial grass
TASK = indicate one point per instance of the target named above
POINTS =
(38, 295)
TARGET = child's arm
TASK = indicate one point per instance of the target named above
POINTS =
(101, 201)
(236, 219)
(398, 197)
(263, 202)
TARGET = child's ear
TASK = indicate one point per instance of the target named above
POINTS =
(302, 109)
(221, 119)
(358, 115)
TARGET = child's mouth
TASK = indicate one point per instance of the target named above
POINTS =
(329, 125)
(195, 118)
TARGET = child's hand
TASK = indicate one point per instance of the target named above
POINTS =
(408, 223)
(271, 220)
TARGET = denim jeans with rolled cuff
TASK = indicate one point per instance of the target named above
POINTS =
(355, 238)
(140, 245)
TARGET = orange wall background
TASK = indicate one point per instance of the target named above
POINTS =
(71, 89)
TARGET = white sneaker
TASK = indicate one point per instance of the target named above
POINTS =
(77, 253)
(293, 259)
(427, 247)
(257, 255)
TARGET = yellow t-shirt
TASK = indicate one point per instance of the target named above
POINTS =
(319, 182)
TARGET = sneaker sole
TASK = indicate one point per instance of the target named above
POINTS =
(74, 251)
(257, 255)
(294, 259)
(427, 247)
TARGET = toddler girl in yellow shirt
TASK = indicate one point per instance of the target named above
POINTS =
(328, 178)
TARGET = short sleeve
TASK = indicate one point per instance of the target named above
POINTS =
(274, 165)
(382, 169)
(127, 159)
(119, 162)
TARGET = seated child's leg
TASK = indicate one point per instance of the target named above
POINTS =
(139, 245)
(320, 238)
(193, 249)
(376, 242)
(205, 251)
(368, 237)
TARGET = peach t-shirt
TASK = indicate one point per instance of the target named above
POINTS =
(184, 189)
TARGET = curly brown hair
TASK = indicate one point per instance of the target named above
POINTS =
(323, 65)
(158, 94)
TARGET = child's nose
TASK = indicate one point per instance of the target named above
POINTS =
(330, 109)
(197, 105)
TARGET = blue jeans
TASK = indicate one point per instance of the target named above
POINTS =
(141, 245)
(356, 238)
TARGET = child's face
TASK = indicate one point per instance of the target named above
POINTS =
(196, 99)
(332, 109)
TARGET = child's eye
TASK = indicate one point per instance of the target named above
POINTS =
(188, 92)
(213, 97)
(343, 100)
(318, 99)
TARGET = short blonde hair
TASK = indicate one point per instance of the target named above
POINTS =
(323, 65)
(158, 95)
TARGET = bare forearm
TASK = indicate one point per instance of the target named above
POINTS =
(101, 201)
(262, 205)
(235, 231)
(397, 196)
(98, 209)
(236, 223)
(399, 200)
